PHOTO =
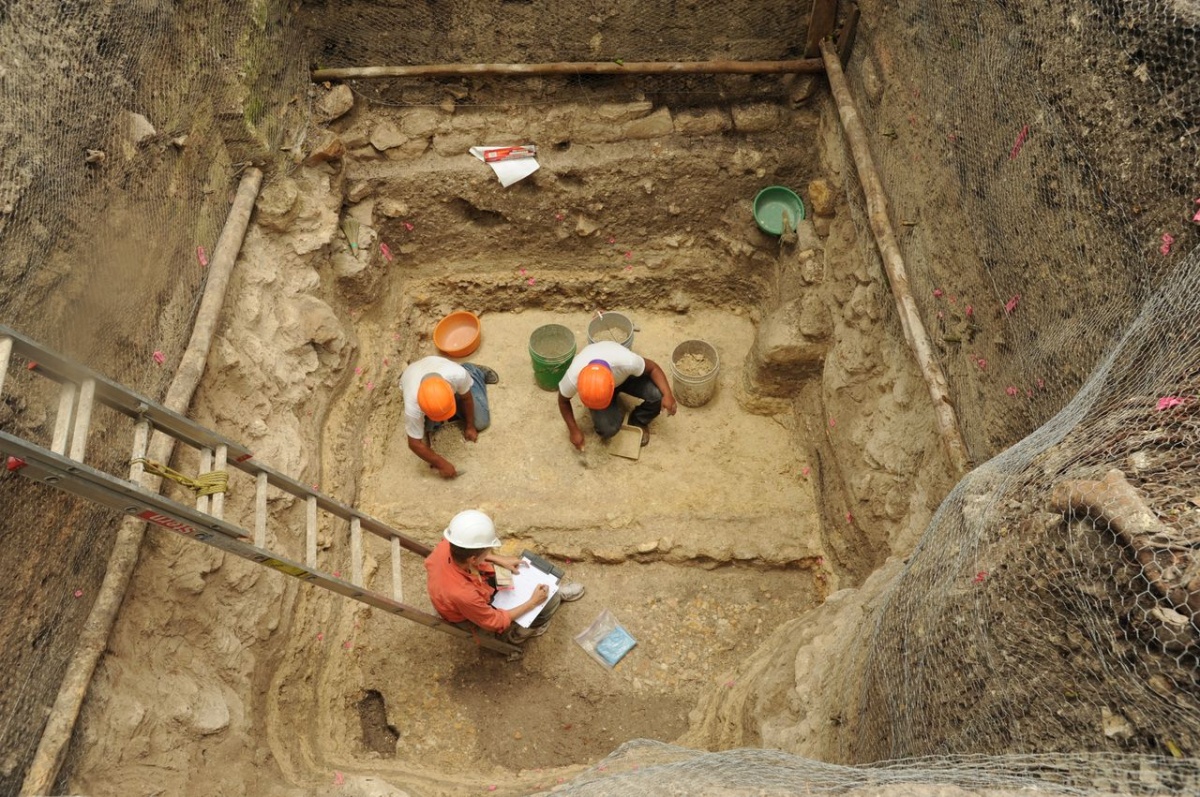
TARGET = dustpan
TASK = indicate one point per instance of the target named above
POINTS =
(627, 442)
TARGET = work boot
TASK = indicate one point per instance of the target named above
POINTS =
(519, 635)
(645, 433)
(490, 377)
(571, 592)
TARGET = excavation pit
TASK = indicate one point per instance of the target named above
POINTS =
(701, 548)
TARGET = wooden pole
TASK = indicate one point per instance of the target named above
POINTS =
(812, 65)
(94, 637)
(893, 262)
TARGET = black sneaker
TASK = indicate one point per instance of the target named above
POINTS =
(490, 377)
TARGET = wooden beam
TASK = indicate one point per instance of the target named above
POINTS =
(820, 26)
(893, 262)
(811, 65)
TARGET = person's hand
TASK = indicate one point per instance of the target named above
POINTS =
(540, 593)
(471, 434)
(669, 405)
(577, 438)
(446, 470)
(512, 563)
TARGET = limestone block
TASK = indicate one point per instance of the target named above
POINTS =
(656, 125)
(789, 347)
(140, 128)
(454, 144)
(610, 121)
(328, 146)
(392, 208)
(386, 135)
(336, 103)
(421, 122)
(821, 197)
(360, 190)
(357, 136)
(757, 118)
(702, 122)
(278, 205)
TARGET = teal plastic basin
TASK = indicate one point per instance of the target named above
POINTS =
(770, 205)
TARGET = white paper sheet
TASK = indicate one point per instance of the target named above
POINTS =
(525, 581)
(508, 170)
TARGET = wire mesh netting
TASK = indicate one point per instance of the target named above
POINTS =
(122, 132)
(646, 767)
(1052, 605)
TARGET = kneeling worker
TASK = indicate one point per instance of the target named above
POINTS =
(597, 374)
(437, 390)
(462, 581)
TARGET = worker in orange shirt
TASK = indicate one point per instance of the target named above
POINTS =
(462, 581)
(597, 374)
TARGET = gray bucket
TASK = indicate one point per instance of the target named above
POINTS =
(694, 368)
(611, 326)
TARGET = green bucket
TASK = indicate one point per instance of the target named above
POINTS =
(551, 347)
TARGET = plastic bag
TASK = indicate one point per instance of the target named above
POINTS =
(606, 640)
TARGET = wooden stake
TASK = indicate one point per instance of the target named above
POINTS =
(812, 65)
(893, 262)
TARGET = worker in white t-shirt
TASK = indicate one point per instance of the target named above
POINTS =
(597, 374)
(437, 390)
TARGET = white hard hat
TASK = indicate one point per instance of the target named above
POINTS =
(472, 529)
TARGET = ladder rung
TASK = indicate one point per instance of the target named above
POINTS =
(141, 441)
(6, 347)
(260, 510)
(397, 587)
(62, 421)
(206, 458)
(83, 419)
(218, 499)
(310, 548)
(356, 552)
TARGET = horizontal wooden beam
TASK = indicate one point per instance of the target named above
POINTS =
(811, 65)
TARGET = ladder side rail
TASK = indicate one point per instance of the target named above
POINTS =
(51, 365)
(380, 529)
(135, 406)
(94, 485)
(329, 504)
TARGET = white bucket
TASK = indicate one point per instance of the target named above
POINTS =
(694, 368)
(611, 326)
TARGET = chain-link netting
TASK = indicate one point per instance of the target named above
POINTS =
(123, 128)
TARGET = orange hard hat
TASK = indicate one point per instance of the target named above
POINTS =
(596, 385)
(436, 398)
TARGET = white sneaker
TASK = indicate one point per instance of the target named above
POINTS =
(571, 592)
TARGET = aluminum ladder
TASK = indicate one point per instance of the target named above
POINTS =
(62, 465)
